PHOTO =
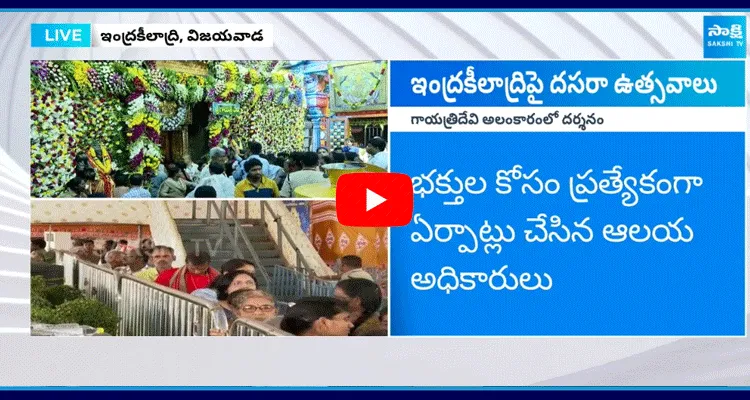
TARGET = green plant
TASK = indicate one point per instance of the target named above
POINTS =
(38, 284)
(88, 312)
(38, 301)
(45, 315)
(58, 295)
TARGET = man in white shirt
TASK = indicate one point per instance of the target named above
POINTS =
(223, 184)
(378, 155)
(217, 155)
(255, 151)
(309, 174)
(191, 168)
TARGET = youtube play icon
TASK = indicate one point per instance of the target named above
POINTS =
(374, 199)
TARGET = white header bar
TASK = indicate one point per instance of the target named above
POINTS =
(179, 35)
(570, 119)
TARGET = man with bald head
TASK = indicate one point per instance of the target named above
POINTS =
(115, 259)
(135, 260)
(216, 155)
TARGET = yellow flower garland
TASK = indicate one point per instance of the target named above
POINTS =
(136, 120)
(106, 166)
(80, 74)
(140, 74)
(230, 88)
(232, 68)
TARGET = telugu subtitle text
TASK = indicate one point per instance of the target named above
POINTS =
(183, 35)
(579, 120)
(527, 85)
(580, 187)
(450, 281)
(544, 228)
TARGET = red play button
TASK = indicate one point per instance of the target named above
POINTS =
(374, 199)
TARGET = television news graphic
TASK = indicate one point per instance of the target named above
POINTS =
(73, 35)
(570, 198)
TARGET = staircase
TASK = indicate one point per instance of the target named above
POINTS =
(209, 238)
(227, 236)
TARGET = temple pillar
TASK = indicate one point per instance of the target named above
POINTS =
(316, 96)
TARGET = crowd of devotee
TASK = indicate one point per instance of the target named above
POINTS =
(227, 173)
(356, 307)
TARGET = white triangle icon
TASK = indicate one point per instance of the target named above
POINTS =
(373, 200)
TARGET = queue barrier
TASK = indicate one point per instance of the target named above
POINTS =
(99, 283)
(289, 285)
(246, 327)
(148, 309)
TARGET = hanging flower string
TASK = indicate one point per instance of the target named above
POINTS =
(103, 168)
(144, 122)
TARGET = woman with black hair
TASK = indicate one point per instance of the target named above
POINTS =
(228, 283)
(238, 264)
(317, 316)
(94, 186)
(363, 299)
(183, 172)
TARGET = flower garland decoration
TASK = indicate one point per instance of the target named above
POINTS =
(111, 77)
(249, 83)
(175, 121)
(80, 74)
(103, 168)
(144, 123)
(101, 121)
(54, 138)
(226, 84)
(194, 87)
(279, 127)
(140, 83)
(160, 82)
(360, 102)
(48, 75)
(218, 133)
(118, 104)
(104, 164)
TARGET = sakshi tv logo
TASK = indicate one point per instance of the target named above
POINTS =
(724, 37)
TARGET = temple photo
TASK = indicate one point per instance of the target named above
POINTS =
(205, 268)
(205, 129)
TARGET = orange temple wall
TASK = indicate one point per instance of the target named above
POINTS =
(333, 240)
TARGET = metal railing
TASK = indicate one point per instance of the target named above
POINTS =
(246, 327)
(150, 310)
(236, 207)
(301, 264)
(146, 308)
(99, 283)
(290, 285)
(294, 282)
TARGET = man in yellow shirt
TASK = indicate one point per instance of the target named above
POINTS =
(161, 259)
(255, 185)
